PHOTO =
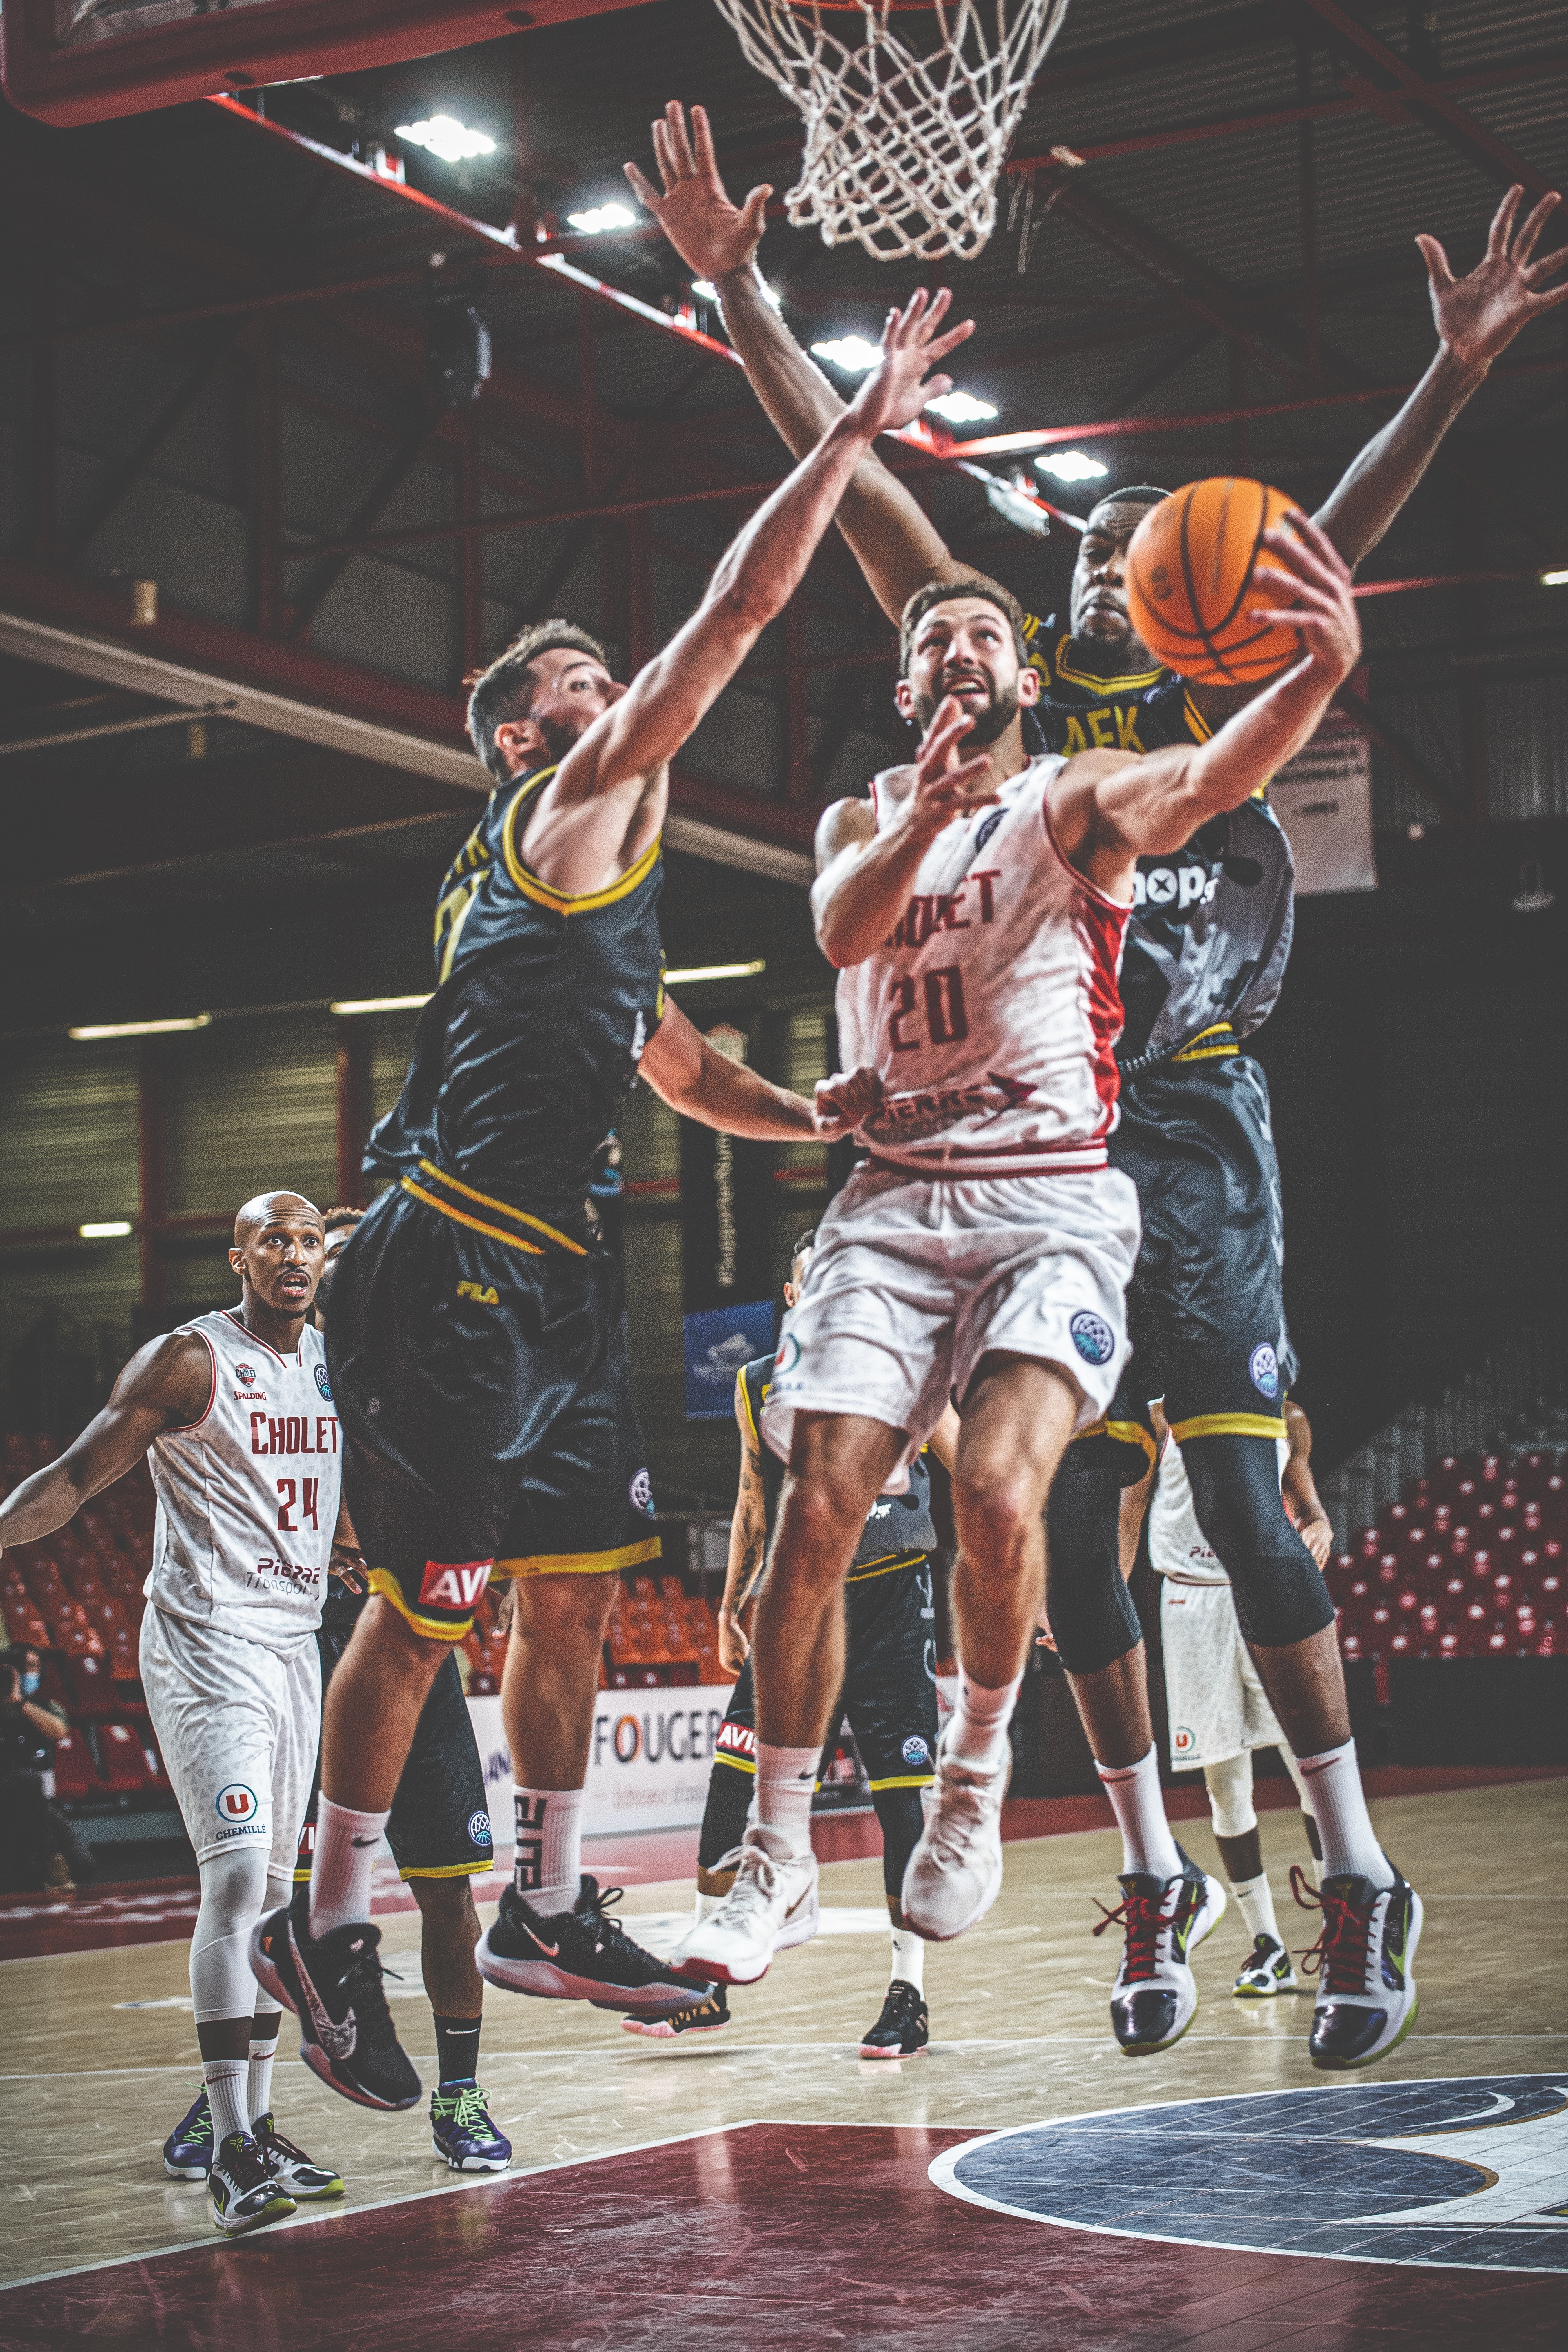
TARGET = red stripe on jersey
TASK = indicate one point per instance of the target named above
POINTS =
(1102, 928)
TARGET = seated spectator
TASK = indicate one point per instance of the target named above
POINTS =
(38, 1846)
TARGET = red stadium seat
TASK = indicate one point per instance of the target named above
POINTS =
(89, 1685)
(123, 1765)
(76, 1779)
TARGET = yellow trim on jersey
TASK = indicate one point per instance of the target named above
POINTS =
(1103, 686)
(745, 1395)
(431, 1627)
(1223, 1044)
(739, 1763)
(1202, 731)
(504, 1208)
(514, 1240)
(885, 1566)
(566, 902)
(906, 1780)
(1228, 1424)
(582, 1563)
(1132, 1432)
(452, 1870)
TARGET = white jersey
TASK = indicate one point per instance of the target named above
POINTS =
(248, 1495)
(991, 1014)
(1177, 1544)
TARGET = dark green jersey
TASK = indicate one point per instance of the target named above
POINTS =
(1210, 933)
(544, 1004)
(898, 1526)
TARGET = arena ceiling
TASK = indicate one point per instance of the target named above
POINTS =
(216, 379)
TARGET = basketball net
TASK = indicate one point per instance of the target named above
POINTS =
(904, 139)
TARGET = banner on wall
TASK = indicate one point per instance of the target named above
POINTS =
(1323, 800)
(718, 1342)
(647, 1765)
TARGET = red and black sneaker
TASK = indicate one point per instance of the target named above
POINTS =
(1156, 1994)
(1366, 1992)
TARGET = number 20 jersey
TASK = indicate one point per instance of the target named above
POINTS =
(248, 1495)
(991, 1012)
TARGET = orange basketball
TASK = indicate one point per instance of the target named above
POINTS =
(1190, 588)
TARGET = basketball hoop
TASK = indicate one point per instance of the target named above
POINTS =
(906, 128)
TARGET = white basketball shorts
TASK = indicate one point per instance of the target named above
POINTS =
(913, 1280)
(1217, 1706)
(239, 1725)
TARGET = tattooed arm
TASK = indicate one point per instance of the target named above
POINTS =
(748, 1540)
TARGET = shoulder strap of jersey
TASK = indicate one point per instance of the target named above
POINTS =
(751, 1387)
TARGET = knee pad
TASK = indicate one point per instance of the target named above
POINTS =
(903, 1816)
(1092, 1620)
(233, 1889)
(729, 1793)
(1229, 1785)
(1279, 1587)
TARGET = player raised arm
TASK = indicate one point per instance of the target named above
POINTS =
(895, 546)
(1109, 810)
(689, 1074)
(867, 875)
(166, 1383)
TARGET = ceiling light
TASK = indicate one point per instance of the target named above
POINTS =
(960, 408)
(706, 287)
(141, 1028)
(719, 971)
(112, 1229)
(853, 354)
(380, 1004)
(446, 138)
(594, 222)
(1071, 466)
(1554, 579)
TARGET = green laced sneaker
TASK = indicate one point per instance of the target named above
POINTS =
(461, 2132)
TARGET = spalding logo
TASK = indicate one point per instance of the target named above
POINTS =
(1263, 1368)
(1093, 1337)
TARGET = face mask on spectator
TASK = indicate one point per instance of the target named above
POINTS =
(30, 1684)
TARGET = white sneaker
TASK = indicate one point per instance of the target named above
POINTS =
(1155, 1997)
(1269, 1971)
(954, 1874)
(772, 1905)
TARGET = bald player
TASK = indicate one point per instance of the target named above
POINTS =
(235, 1415)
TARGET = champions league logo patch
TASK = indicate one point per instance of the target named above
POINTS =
(988, 827)
(1263, 1370)
(1468, 2173)
(323, 1384)
(479, 1831)
(1093, 1337)
(639, 1494)
(915, 1751)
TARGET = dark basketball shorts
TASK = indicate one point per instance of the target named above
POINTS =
(890, 1683)
(1205, 1310)
(486, 1399)
(440, 1823)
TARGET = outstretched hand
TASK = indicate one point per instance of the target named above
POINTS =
(946, 785)
(1477, 317)
(843, 1101)
(1308, 567)
(714, 237)
(894, 394)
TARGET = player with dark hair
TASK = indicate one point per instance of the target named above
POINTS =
(1206, 949)
(888, 1695)
(476, 1325)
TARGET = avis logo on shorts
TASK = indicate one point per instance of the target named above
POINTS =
(453, 1584)
(479, 1832)
(1263, 1369)
(1093, 1337)
(915, 1751)
(236, 1804)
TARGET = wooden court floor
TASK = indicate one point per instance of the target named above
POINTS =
(769, 2187)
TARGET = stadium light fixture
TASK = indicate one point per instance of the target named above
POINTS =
(853, 354)
(599, 217)
(352, 1005)
(445, 137)
(706, 292)
(960, 408)
(1071, 466)
(140, 1028)
(718, 971)
(1554, 579)
(111, 1229)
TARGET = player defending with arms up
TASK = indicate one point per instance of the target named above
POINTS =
(476, 1326)
(235, 1415)
(976, 907)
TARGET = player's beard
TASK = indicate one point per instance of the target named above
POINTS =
(998, 715)
(559, 734)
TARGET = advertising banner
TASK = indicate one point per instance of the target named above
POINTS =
(1323, 800)
(717, 1342)
(647, 1766)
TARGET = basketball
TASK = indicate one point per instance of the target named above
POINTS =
(1190, 588)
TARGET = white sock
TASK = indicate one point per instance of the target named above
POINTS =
(1257, 1905)
(980, 1721)
(340, 1869)
(263, 2050)
(548, 1871)
(908, 1959)
(1147, 1846)
(1345, 1826)
(787, 1782)
(226, 2080)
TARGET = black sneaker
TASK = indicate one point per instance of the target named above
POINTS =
(1155, 1997)
(244, 2193)
(692, 2024)
(333, 1984)
(579, 1954)
(903, 2029)
(1267, 1972)
(1366, 1994)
